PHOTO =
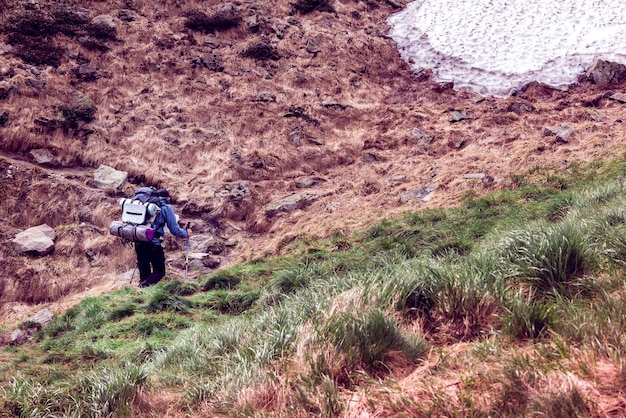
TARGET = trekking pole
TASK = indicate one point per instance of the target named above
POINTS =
(133, 275)
(187, 252)
(135, 269)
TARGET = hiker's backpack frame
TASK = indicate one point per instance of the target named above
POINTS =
(137, 214)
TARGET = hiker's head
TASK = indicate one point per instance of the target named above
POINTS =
(163, 194)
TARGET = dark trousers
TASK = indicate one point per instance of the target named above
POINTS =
(150, 262)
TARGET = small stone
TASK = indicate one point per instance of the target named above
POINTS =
(457, 116)
(474, 176)
(423, 193)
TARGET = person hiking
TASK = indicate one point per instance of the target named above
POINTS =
(150, 255)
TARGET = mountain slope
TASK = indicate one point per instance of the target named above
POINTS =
(235, 106)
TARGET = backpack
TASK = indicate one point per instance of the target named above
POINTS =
(137, 214)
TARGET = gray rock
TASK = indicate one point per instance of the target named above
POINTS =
(423, 193)
(253, 23)
(315, 141)
(41, 318)
(457, 116)
(86, 72)
(308, 182)
(211, 262)
(398, 179)
(564, 134)
(38, 240)
(195, 261)
(235, 192)
(291, 203)
(212, 62)
(280, 30)
(619, 97)
(127, 276)
(211, 41)
(487, 180)
(206, 244)
(19, 337)
(421, 136)
(104, 21)
(605, 72)
(295, 137)
(313, 44)
(266, 96)
(474, 176)
(106, 177)
(41, 156)
(37, 84)
(520, 108)
(197, 256)
(127, 15)
(549, 131)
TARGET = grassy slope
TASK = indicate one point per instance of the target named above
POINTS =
(511, 305)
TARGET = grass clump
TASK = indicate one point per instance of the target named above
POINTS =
(261, 51)
(180, 288)
(36, 50)
(33, 33)
(162, 301)
(219, 280)
(526, 317)
(79, 110)
(551, 257)
(367, 339)
(110, 391)
(223, 19)
(126, 310)
(308, 6)
(231, 302)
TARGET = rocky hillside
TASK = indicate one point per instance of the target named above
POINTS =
(268, 122)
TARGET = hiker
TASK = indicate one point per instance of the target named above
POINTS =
(150, 255)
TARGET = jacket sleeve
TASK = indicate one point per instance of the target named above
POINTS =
(172, 225)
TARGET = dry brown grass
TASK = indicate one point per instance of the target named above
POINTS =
(170, 123)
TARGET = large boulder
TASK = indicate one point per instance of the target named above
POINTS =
(106, 177)
(606, 72)
(38, 240)
(41, 155)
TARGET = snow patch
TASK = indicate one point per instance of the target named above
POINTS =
(497, 46)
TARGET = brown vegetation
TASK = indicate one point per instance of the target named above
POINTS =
(346, 113)
(316, 93)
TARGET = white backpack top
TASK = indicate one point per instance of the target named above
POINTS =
(137, 212)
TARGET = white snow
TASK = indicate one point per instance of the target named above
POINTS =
(497, 46)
